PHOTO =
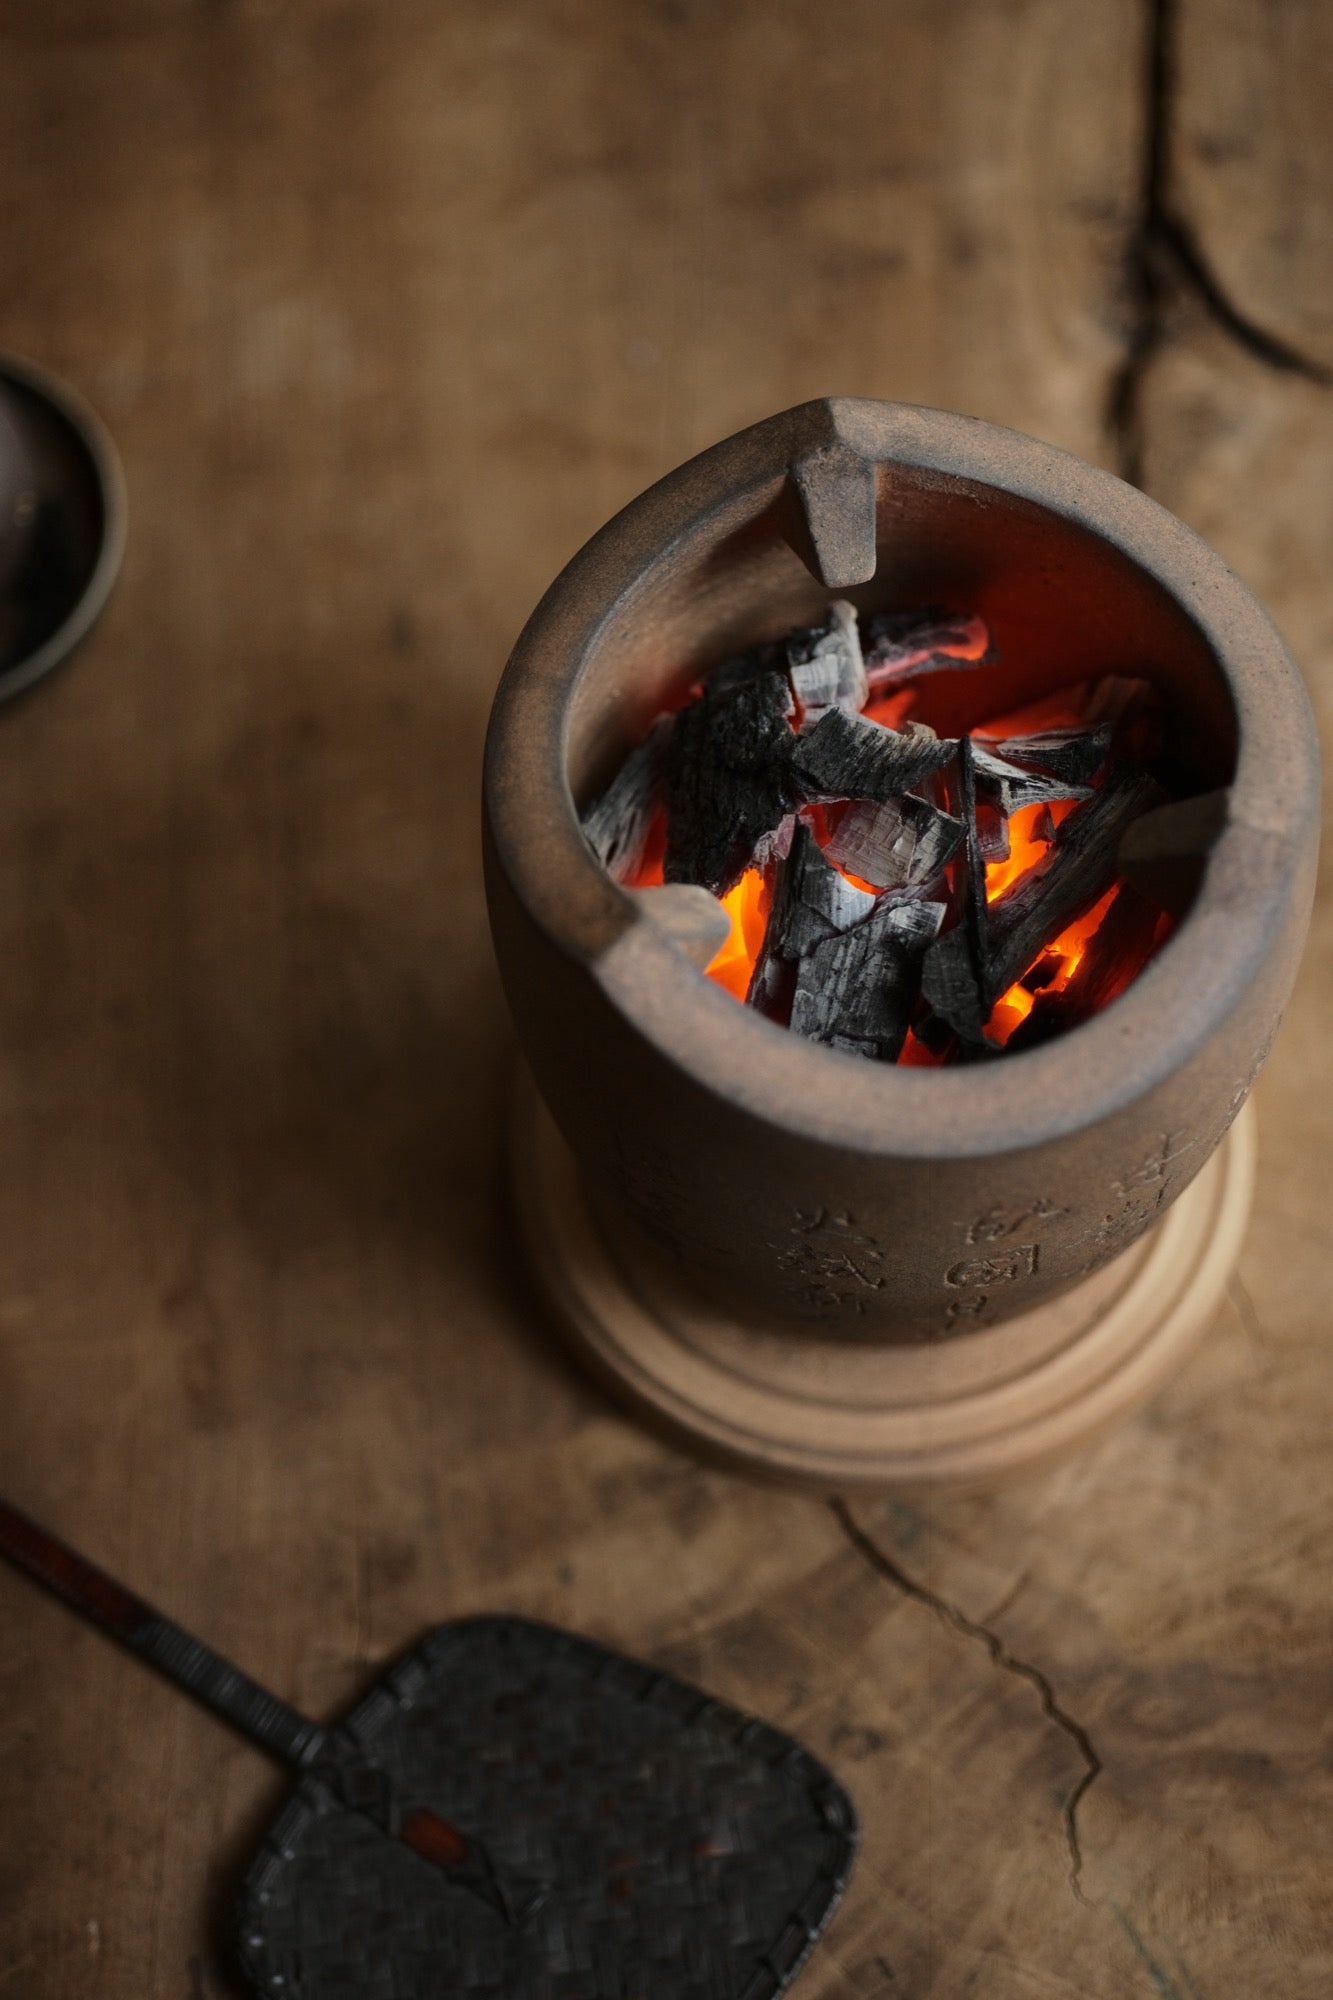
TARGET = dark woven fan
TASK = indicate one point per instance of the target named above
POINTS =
(627, 1837)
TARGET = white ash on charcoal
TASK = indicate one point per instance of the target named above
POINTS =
(857, 991)
(1121, 943)
(843, 756)
(992, 831)
(811, 902)
(894, 843)
(900, 645)
(1013, 785)
(825, 664)
(727, 769)
(616, 826)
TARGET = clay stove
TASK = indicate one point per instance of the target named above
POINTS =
(847, 1270)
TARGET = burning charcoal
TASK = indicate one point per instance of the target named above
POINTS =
(953, 979)
(726, 775)
(1048, 967)
(1163, 854)
(895, 843)
(776, 845)
(1110, 699)
(949, 982)
(811, 902)
(1073, 755)
(616, 826)
(1043, 826)
(856, 991)
(1079, 867)
(1113, 956)
(1012, 785)
(825, 663)
(843, 756)
(903, 644)
(993, 831)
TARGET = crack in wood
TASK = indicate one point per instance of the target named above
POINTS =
(1165, 260)
(886, 1566)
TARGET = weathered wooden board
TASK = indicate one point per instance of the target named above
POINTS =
(1249, 159)
(389, 305)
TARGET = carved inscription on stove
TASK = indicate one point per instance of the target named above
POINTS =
(1137, 1197)
(830, 1262)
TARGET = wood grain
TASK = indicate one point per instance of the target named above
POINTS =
(389, 305)
(1249, 159)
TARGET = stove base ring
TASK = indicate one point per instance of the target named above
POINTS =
(835, 1416)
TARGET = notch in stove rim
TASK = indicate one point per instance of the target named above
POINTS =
(898, 504)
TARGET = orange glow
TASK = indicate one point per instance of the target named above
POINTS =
(747, 907)
(915, 1054)
(1014, 1006)
(890, 709)
(1009, 1012)
(1025, 849)
(1061, 710)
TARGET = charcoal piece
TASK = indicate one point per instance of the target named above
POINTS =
(1048, 967)
(894, 843)
(1012, 785)
(953, 977)
(901, 645)
(993, 831)
(811, 902)
(1074, 755)
(1164, 853)
(726, 772)
(616, 826)
(1077, 869)
(843, 756)
(825, 663)
(1116, 952)
(951, 985)
(857, 991)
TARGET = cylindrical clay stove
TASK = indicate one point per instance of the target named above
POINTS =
(845, 1270)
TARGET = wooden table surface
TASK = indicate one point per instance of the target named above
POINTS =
(389, 304)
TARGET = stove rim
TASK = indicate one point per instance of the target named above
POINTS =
(1167, 1016)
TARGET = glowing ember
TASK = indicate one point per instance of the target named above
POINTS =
(1026, 845)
